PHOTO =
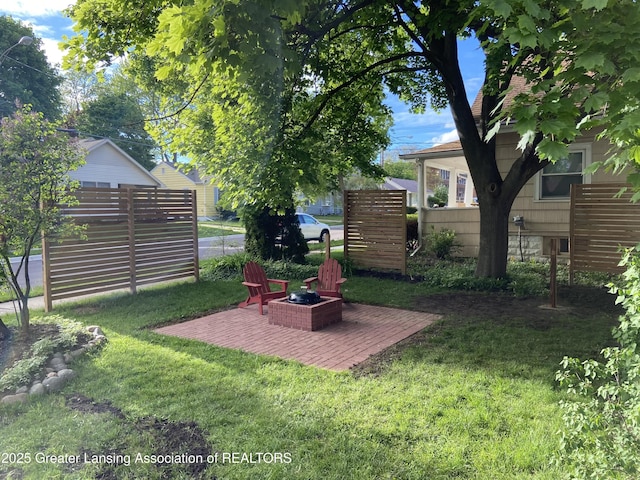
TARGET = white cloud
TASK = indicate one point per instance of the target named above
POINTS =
(54, 54)
(46, 20)
(35, 8)
(446, 137)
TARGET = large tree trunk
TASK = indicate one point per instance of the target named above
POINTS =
(4, 330)
(494, 238)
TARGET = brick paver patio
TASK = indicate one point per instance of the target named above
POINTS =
(364, 331)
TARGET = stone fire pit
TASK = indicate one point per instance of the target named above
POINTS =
(305, 317)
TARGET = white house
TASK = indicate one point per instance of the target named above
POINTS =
(108, 166)
(411, 186)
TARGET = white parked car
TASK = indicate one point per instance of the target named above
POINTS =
(311, 228)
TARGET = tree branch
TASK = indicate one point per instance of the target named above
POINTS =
(354, 78)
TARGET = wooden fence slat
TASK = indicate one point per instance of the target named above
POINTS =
(375, 228)
(602, 222)
(133, 237)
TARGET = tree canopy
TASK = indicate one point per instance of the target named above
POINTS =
(239, 76)
(401, 169)
(280, 76)
(25, 75)
(117, 116)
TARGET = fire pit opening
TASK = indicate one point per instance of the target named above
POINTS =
(302, 297)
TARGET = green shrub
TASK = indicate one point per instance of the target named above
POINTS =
(601, 435)
(412, 232)
(440, 197)
(441, 244)
(227, 267)
(230, 267)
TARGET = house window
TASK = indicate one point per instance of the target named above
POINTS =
(95, 184)
(562, 245)
(555, 180)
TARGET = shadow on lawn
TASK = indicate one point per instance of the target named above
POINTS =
(514, 336)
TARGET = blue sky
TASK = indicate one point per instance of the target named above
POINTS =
(411, 131)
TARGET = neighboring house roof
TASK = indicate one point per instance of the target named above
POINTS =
(439, 151)
(448, 156)
(91, 145)
(516, 86)
(410, 186)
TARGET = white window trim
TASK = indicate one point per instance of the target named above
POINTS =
(585, 148)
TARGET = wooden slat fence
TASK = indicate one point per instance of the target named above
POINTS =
(375, 228)
(601, 223)
(132, 237)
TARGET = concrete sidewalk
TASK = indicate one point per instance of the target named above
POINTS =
(35, 303)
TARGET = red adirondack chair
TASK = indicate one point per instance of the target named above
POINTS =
(255, 279)
(329, 279)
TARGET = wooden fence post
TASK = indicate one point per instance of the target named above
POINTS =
(194, 221)
(46, 274)
(133, 284)
(327, 246)
(553, 272)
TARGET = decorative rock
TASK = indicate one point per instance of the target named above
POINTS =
(94, 329)
(66, 374)
(77, 353)
(17, 398)
(54, 384)
(37, 389)
(56, 374)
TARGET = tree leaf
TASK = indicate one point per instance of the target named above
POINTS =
(552, 150)
(590, 60)
(631, 75)
(219, 26)
(502, 8)
(596, 4)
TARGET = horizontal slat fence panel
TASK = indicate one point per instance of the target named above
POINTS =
(131, 237)
(603, 221)
(375, 228)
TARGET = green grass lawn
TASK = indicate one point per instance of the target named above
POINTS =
(471, 397)
(218, 228)
(330, 219)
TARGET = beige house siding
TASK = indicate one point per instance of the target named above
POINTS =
(176, 180)
(543, 219)
(464, 221)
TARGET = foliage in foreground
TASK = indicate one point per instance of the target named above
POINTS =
(601, 436)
